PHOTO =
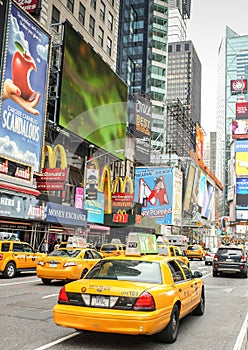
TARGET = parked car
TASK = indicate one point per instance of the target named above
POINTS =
(230, 259)
(16, 257)
(209, 255)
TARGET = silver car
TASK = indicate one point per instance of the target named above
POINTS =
(209, 256)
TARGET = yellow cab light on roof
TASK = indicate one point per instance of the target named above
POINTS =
(141, 243)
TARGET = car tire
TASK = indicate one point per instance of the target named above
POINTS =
(169, 334)
(10, 270)
(84, 273)
(206, 263)
(244, 274)
(199, 310)
(215, 273)
(46, 281)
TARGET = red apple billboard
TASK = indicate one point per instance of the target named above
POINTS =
(24, 93)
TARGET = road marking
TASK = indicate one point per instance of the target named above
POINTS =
(15, 283)
(208, 274)
(50, 296)
(49, 345)
(242, 334)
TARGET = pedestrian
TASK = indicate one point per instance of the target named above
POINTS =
(57, 243)
(44, 247)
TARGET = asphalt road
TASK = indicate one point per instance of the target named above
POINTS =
(26, 321)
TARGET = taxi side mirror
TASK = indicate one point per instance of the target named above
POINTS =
(197, 274)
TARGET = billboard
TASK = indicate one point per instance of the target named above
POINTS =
(189, 188)
(154, 190)
(242, 185)
(241, 163)
(24, 95)
(241, 146)
(31, 6)
(93, 101)
(208, 201)
(3, 17)
(238, 86)
(140, 122)
(240, 129)
(241, 110)
(199, 142)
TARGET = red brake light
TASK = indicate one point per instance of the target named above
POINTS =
(63, 296)
(243, 259)
(118, 253)
(1, 256)
(145, 302)
(207, 254)
(215, 257)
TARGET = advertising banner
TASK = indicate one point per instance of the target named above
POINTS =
(241, 163)
(208, 201)
(189, 188)
(240, 129)
(242, 185)
(140, 122)
(93, 100)
(238, 86)
(177, 198)
(3, 18)
(154, 190)
(242, 110)
(95, 208)
(25, 82)
(31, 6)
(241, 146)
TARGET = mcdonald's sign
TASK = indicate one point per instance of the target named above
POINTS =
(53, 178)
(122, 194)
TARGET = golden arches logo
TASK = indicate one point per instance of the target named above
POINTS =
(125, 185)
(53, 156)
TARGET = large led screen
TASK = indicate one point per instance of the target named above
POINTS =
(24, 95)
(93, 100)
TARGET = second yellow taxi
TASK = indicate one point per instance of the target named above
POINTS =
(141, 293)
(172, 250)
(66, 264)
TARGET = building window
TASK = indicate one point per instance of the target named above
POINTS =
(169, 48)
(109, 46)
(100, 37)
(55, 15)
(102, 11)
(92, 26)
(186, 47)
(110, 21)
(70, 5)
(93, 4)
(178, 47)
(81, 15)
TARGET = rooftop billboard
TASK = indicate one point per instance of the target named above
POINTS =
(93, 100)
(25, 77)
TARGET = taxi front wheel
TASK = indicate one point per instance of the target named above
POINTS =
(46, 281)
(10, 270)
(169, 334)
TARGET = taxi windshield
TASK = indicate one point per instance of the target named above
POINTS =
(127, 270)
(109, 248)
(72, 253)
(163, 250)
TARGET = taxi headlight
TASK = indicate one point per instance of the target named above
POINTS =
(70, 263)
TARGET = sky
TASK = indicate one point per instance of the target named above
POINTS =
(206, 28)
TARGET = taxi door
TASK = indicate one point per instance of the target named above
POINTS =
(30, 257)
(19, 255)
(91, 258)
(183, 287)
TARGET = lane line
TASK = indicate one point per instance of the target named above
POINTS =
(242, 334)
(49, 345)
(16, 283)
(50, 296)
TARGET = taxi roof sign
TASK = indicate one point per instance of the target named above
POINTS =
(141, 243)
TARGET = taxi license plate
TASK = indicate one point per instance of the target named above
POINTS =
(53, 265)
(229, 259)
(100, 301)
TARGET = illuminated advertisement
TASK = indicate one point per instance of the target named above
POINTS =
(241, 146)
(241, 110)
(240, 129)
(93, 101)
(177, 197)
(242, 185)
(241, 163)
(154, 191)
(31, 6)
(242, 215)
(238, 86)
(189, 188)
(95, 208)
(3, 17)
(24, 95)
(199, 142)
(140, 122)
(208, 201)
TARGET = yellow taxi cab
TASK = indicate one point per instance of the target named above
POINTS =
(112, 249)
(66, 264)
(143, 289)
(172, 250)
(16, 257)
(195, 251)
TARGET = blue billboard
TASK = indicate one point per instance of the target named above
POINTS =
(154, 190)
(25, 79)
(241, 185)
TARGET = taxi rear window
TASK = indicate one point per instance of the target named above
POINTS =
(109, 248)
(127, 270)
(163, 250)
(72, 253)
(193, 247)
(5, 247)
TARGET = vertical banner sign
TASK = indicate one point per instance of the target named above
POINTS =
(3, 17)
(25, 80)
